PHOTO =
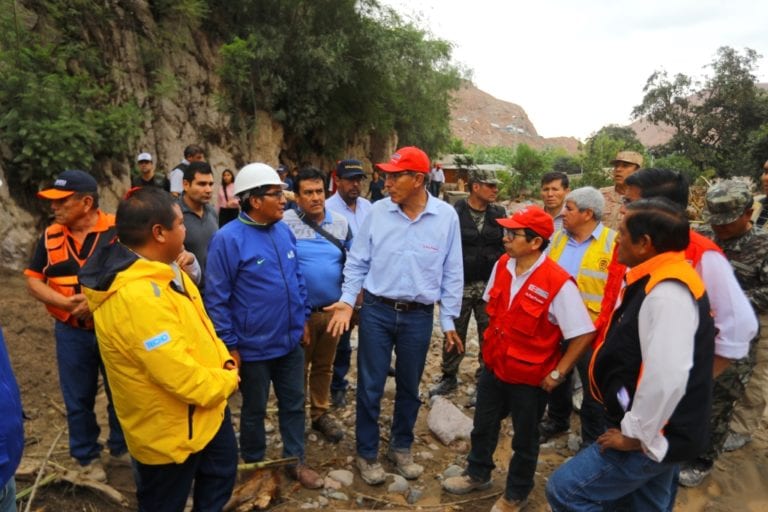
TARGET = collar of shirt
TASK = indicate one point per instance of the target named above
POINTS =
(430, 208)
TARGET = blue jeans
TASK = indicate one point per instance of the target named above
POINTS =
(594, 481)
(8, 496)
(286, 373)
(213, 470)
(341, 363)
(77, 353)
(495, 401)
(381, 329)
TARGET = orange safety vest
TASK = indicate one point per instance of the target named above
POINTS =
(60, 248)
(521, 345)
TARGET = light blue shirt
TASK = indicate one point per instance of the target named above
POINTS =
(354, 218)
(409, 260)
(573, 252)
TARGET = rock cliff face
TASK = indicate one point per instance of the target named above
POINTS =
(170, 72)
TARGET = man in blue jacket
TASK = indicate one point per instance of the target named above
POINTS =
(256, 296)
(11, 431)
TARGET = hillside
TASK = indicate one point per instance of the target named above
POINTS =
(479, 118)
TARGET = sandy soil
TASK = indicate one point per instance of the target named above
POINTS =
(738, 482)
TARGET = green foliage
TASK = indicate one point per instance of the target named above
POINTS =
(601, 148)
(716, 120)
(679, 163)
(331, 69)
(56, 111)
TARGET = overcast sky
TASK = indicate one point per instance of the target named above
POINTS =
(578, 65)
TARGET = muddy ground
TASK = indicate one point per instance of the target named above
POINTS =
(738, 482)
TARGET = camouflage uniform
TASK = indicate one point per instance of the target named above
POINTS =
(748, 255)
(612, 211)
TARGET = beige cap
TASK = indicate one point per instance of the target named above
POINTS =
(630, 157)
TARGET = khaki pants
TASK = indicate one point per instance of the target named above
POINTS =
(751, 411)
(318, 363)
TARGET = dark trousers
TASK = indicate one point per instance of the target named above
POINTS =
(496, 400)
(342, 362)
(166, 487)
(560, 404)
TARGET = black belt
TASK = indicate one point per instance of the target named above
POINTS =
(401, 306)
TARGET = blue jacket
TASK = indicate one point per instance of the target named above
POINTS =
(11, 425)
(255, 293)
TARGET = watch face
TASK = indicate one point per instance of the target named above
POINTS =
(555, 374)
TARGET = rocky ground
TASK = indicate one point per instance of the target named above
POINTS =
(738, 482)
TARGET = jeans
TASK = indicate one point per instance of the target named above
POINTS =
(495, 400)
(77, 353)
(318, 363)
(594, 481)
(213, 470)
(286, 373)
(592, 414)
(8, 496)
(342, 362)
(381, 329)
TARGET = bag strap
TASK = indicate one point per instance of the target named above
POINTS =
(319, 230)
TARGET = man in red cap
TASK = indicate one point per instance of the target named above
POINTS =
(533, 304)
(79, 229)
(406, 257)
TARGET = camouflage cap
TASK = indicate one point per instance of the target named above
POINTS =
(483, 176)
(630, 157)
(726, 201)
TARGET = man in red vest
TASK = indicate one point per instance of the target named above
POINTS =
(533, 304)
(79, 229)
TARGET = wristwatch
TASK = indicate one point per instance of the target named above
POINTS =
(555, 375)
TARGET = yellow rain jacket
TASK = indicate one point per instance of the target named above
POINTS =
(164, 362)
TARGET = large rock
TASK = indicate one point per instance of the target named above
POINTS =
(447, 422)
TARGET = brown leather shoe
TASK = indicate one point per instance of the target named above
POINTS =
(305, 475)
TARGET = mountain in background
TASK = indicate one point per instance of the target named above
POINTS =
(477, 118)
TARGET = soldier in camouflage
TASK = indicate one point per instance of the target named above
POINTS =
(481, 244)
(729, 212)
(625, 164)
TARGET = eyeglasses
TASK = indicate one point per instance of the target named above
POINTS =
(512, 234)
(396, 175)
(277, 193)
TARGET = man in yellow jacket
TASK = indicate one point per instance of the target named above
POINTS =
(170, 374)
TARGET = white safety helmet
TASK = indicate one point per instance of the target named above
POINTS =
(254, 176)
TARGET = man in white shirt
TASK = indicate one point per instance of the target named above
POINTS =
(657, 395)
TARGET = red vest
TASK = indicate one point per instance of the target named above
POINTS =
(698, 245)
(521, 345)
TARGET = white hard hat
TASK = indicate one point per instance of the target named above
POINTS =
(256, 175)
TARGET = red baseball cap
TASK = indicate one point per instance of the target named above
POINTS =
(532, 217)
(409, 158)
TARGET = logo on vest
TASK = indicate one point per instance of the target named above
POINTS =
(157, 341)
(536, 294)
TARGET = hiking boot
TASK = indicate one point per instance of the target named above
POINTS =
(124, 459)
(339, 398)
(371, 471)
(328, 427)
(735, 440)
(464, 484)
(692, 476)
(446, 385)
(549, 429)
(404, 464)
(94, 470)
(504, 505)
(305, 475)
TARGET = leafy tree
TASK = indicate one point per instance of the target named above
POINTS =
(714, 120)
(330, 70)
(57, 110)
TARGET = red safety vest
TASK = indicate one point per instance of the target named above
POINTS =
(521, 345)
